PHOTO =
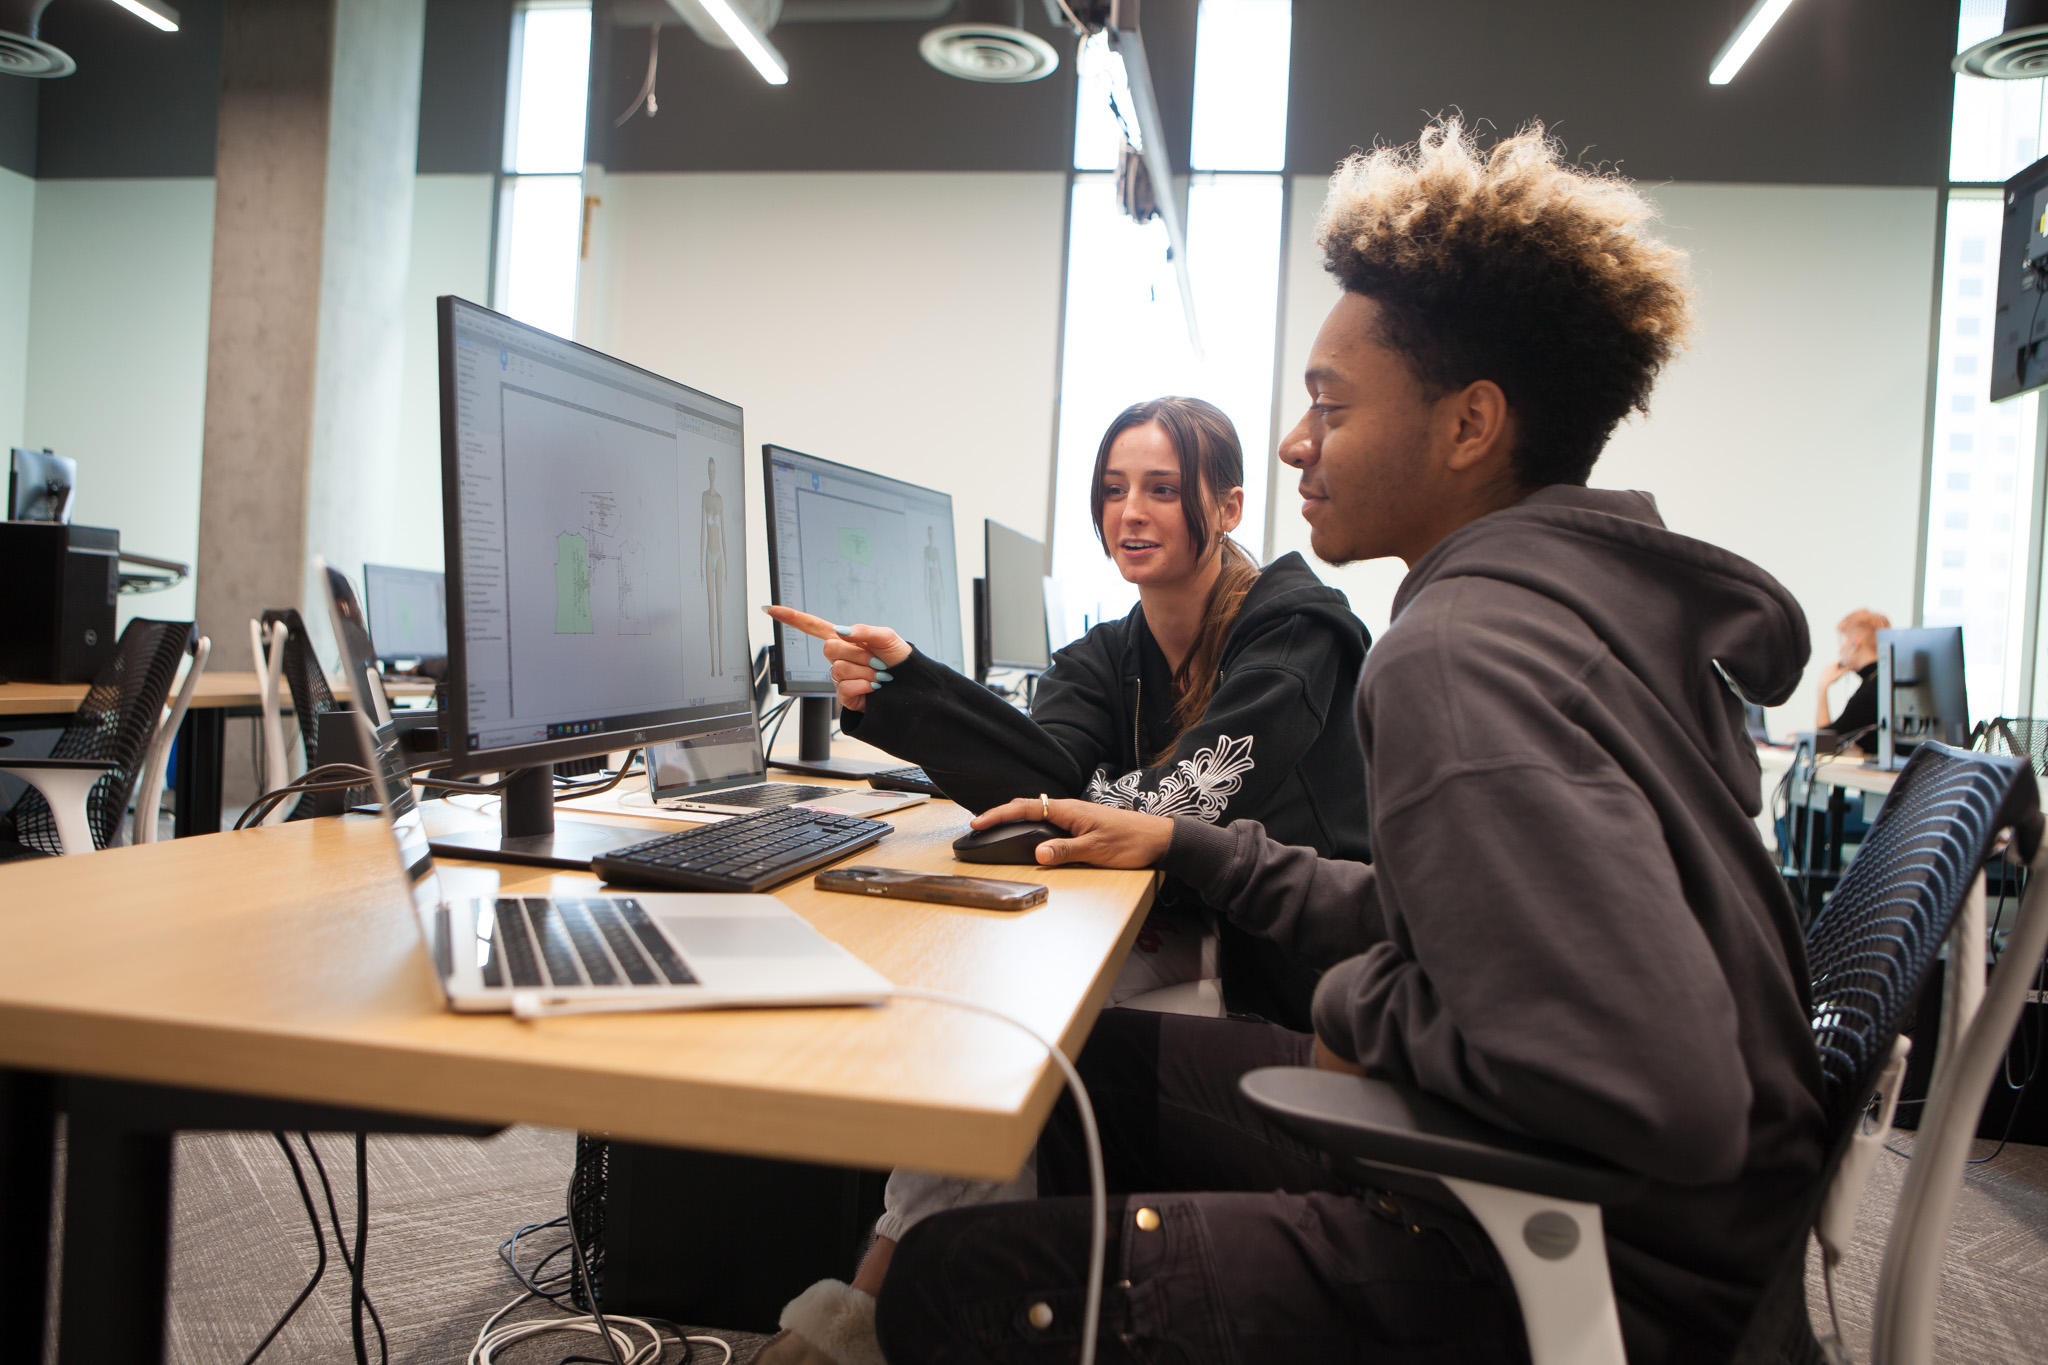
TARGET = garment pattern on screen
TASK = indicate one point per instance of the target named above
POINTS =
(1200, 785)
(600, 538)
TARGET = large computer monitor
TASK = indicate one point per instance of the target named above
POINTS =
(1017, 637)
(1920, 691)
(596, 560)
(408, 611)
(2021, 324)
(854, 547)
(40, 486)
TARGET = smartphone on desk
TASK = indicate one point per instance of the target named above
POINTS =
(983, 893)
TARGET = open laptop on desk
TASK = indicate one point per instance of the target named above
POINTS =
(725, 772)
(534, 953)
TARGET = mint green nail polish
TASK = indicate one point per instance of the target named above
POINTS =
(885, 676)
(876, 664)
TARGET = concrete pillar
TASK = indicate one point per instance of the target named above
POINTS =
(318, 129)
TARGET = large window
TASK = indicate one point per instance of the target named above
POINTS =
(1981, 501)
(1126, 337)
(540, 199)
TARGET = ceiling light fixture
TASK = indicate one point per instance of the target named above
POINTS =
(154, 12)
(749, 40)
(1751, 31)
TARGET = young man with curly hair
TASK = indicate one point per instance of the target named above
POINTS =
(1571, 927)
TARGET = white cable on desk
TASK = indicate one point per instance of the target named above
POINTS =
(1098, 1182)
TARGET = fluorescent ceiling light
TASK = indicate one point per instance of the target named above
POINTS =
(1762, 15)
(152, 11)
(745, 37)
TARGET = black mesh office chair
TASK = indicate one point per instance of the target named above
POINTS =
(2021, 735)
(311, 697)
(1870, 951)
(101, 752)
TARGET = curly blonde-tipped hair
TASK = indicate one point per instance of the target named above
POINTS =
(1511, 265)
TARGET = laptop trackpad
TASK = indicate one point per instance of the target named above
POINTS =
(709, 936)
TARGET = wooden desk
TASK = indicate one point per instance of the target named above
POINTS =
(286, 963)
(1844, 771)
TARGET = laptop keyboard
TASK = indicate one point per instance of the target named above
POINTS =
(747, 853)
(766, 795)
(559, 941)
(904, 780)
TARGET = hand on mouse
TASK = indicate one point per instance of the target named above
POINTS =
(861, 656)
(1103, 836)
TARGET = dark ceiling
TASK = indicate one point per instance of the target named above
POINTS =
(1843, 92)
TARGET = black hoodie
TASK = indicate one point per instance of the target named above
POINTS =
(1572, 927)
(1277, 743)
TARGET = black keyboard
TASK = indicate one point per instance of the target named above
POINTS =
(904, 780)
(746, 853)
(766, 795)
(589, 941)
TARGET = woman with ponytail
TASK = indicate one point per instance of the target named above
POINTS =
(1225, 694)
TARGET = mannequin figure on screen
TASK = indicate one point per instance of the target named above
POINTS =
(711, 563)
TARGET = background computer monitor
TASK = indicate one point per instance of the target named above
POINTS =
(408, 611)
(1017, 636)
(40, 485)
(851, 546)
(595, 542)
(1920, 691)
(2017, 362)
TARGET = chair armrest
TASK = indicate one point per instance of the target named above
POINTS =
(72, 764)
(1384, 1124)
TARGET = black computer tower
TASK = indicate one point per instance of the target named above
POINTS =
(725, 1241)
(57, 588)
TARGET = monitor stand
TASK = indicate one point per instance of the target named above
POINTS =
(528, 833)
(814, 746)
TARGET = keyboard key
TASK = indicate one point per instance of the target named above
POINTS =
(622, 945)
(657, 947)
(555, 949)
(513, 937)
(589, 947)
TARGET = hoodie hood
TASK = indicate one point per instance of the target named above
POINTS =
(1679, 613)
(1288, 587)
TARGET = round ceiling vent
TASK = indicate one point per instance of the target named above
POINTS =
(20, 56)
(996, 53)
(2019, 54)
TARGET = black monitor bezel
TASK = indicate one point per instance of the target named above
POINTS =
(2019, 367)
(384, 656)
(462, 760)
(777, 672)
(988, 525)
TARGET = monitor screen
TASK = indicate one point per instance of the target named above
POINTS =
(858, 548)
(1016, 599)
(408, 612)
(595, 549)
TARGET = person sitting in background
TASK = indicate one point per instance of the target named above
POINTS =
(1856, 639)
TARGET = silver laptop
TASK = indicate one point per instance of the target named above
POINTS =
(724, 772)
(545, 954)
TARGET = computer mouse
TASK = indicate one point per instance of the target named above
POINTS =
(1015, 842)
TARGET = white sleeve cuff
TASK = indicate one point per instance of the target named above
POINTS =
(837, 1319)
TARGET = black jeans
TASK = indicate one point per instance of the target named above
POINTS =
(1276, 1259)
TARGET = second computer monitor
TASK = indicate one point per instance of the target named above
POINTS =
(1016, 600)
(408, 610)
(855, 547)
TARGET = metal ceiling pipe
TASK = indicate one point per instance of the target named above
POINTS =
(864, 11)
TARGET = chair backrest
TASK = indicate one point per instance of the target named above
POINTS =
(1872, 949)
(2020, 735)
(311, 697)
(1872, 946)
(116, 723)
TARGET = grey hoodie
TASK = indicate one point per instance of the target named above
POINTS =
(1571, 926)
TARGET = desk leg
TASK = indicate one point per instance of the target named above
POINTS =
(28, 1125)
(117, 1237)
(202, 745)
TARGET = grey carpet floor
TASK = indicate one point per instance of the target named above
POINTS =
(440, 1206)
